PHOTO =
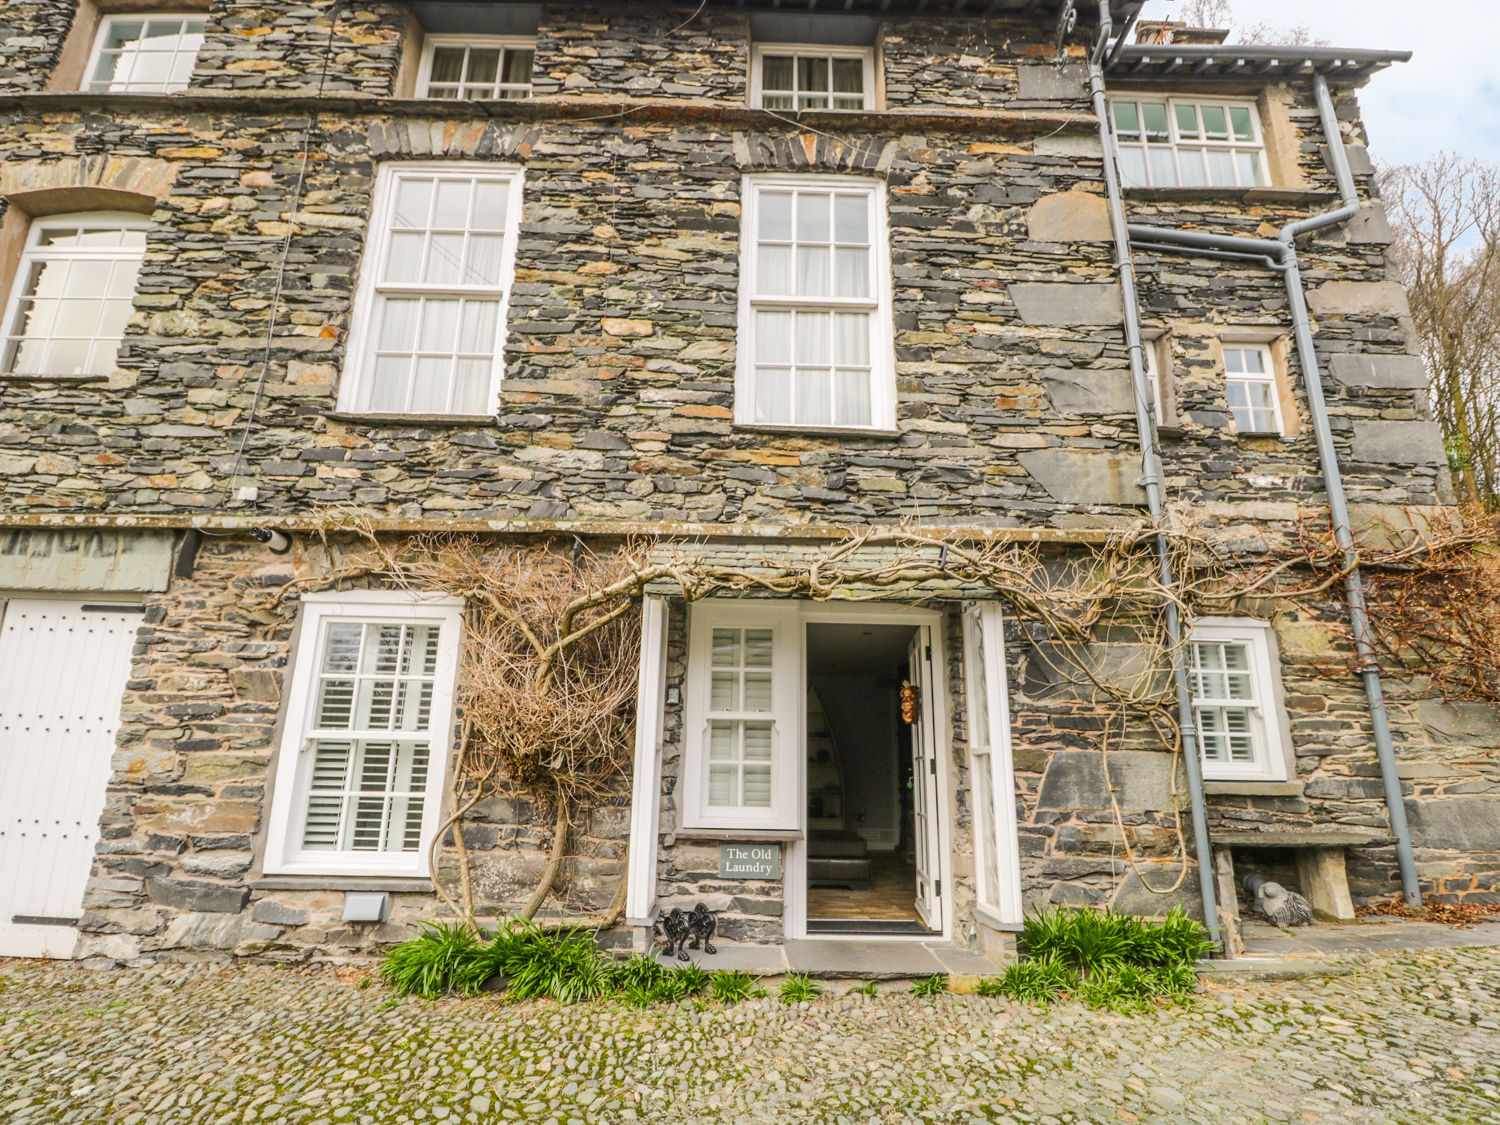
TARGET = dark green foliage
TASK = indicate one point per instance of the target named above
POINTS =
(935, 985)
(868, 988)
(1037, 980)
(563, 965)
(640, 970)
(1175, 940)
(446, 957)
(1136, 988)
(798, 987)
(1093, 941)
(730, 986)
(689, 980)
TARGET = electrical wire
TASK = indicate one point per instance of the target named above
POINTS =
(274, 317)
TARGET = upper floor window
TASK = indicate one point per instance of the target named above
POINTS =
(1233, 690)
(145, 54)
(429, 323)
(475, 67)
(1156, 382)
(367, 736)
(1174, 142)
(73, 293)
(798, 78)
(1250, 389)
(815, 315)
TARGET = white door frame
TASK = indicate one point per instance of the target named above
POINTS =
(794, 877)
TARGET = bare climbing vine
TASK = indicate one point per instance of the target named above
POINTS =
(548, 677)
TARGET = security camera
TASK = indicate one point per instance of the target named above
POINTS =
(277, 542)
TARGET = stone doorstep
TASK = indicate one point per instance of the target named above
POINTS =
(846, 959)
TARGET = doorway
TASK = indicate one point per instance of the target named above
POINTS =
(872, 844)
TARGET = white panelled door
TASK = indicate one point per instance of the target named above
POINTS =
(924, 775)
(63, 666)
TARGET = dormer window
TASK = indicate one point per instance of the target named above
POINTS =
(476, 67)
(1181, 143)
(145, 54)
(800, 78)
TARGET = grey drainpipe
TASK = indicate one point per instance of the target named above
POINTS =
(1281, 255)
(1151, 478)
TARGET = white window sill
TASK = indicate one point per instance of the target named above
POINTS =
(332, 869)
(411, 420)
(816, 431)
(16, 377)
(993, 921)
(396, 884)
(769, 835)
(1247, 787)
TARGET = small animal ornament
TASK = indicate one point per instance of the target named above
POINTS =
(1281, 906)
(703, 925)
(677, 926)
(909, 698)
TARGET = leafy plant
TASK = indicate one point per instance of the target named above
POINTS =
(640, 970)
(935, 985)
(565, 965)
(638, 996)
(730, 986)
(1086, 940)
(868, 988)
(1036, 980)
(446, 957)
(687, 980)
(798, 987)
(1175, 940)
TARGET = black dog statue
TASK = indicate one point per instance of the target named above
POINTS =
(677, 926)
(703, 925)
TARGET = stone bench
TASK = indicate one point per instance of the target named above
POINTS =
(1321, 873)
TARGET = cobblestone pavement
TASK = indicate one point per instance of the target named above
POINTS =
(1404, 1037)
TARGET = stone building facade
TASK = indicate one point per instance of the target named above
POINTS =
(253, 184)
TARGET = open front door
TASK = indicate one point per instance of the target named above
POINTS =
(925, 780)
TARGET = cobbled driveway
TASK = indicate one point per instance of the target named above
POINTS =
(1405, 1037)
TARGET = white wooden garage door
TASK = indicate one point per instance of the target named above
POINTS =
(63, 666)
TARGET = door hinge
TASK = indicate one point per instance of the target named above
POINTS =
(928, 650)
(937, 888)
(932, 766)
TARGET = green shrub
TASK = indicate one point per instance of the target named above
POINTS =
(868, 988)
(641, 970)
(730, 986)
(935, 985)
(1085, 940)
(564, 965)
(1176, 940)
(446, 957)
(1036, 980)
(687, 980)
(1136, 988)
(798, 987)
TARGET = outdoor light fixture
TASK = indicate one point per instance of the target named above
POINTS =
(277, 542)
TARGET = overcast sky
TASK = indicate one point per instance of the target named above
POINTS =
(1447, 97)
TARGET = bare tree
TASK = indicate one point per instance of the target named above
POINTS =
(1445, 213)
(1220, 13)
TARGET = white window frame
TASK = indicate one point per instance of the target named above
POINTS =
(106, 23)
(1191, 148)
(363, 334)
(882, 349)
(34, 253)
(985, 682)
(1268, 378)
(504, 43)
(1268, 746)
(294, 759)
(799, 51)
(787, 715)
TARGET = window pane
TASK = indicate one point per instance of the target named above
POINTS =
(758, 647)
(851, 405)
(849, 76)
(775, 211)
(852, 272)
(398, 324)
(1133, 166)
(1220, 168)
(776, 72)
(1240, 122)
(517, 66)
(724, 692)
(814, 405)
(723, 740)
(1154, 115)
(389, 382)
(813, 333)
(851, 219)
(757, 742)
(477, 332)
(1215, 124)
(773, 275)
(1163, 167)
(452, 209)
(490, 200)
(447, 64)
(1187, 121)
(757, 691)
(444, 255)
(403, 261)
(851, 344)
(483, 265)
(773, 394)
(439, 331)
(471, 390)
(773, 337)
(1190, 162)
(812, 271)
(484, 65)
(430, 385)
(721, 786)
(812, 74)
(1127, 120)
(758, 786)
(812, 217)
(413, 202)
(1249, 167)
